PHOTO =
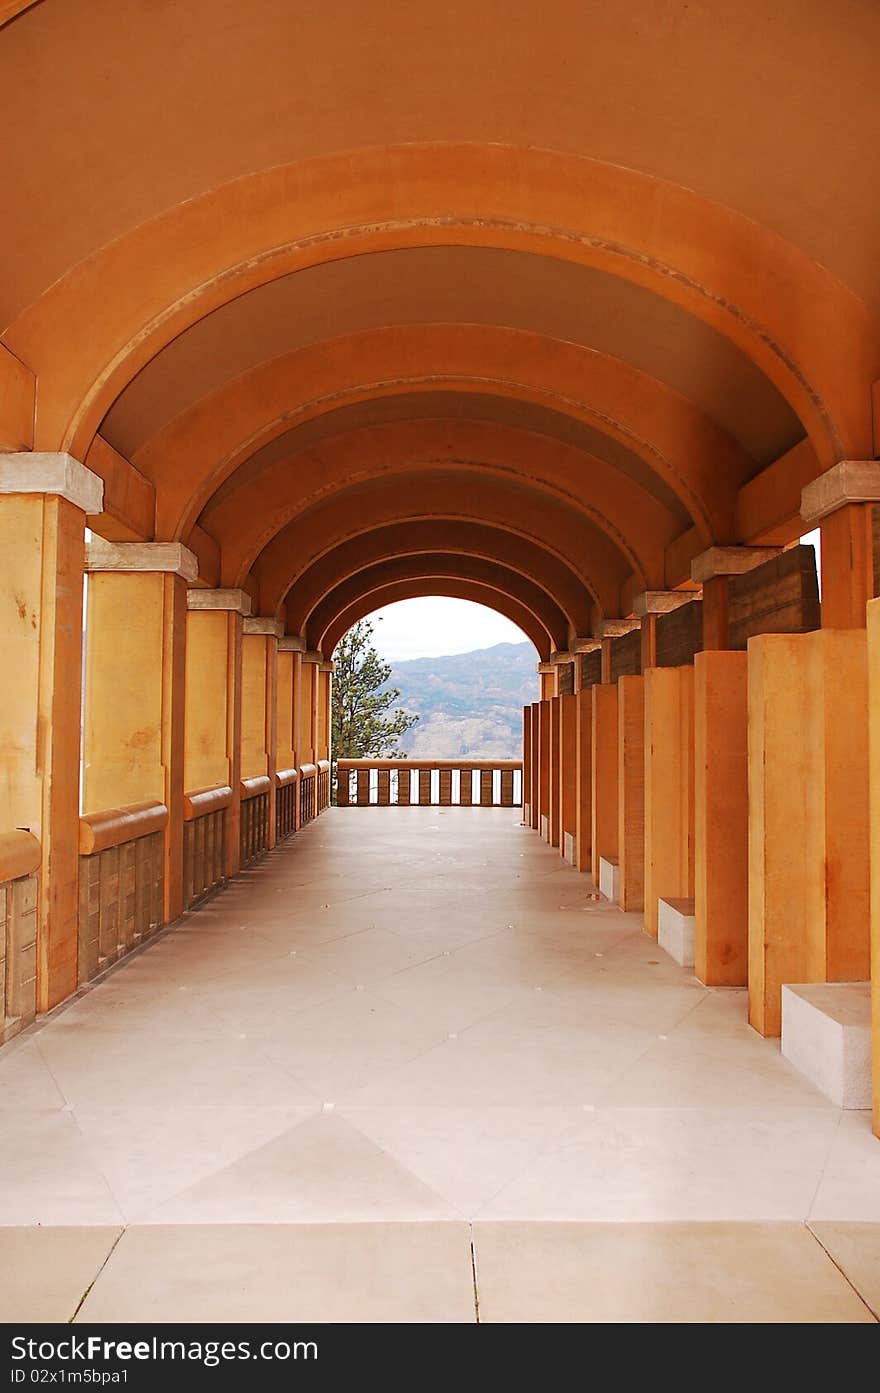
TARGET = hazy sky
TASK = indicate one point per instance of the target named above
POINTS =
(430, 627)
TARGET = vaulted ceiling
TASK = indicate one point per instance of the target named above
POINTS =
(361, 301)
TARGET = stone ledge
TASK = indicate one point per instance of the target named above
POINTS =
(56, 473)
(676, 928)
(826, 1035)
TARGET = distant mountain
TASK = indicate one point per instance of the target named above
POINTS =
(470, 704)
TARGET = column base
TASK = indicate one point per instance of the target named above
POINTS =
(676, 930)
(826, 1035)
(609, 879)
(569, 848)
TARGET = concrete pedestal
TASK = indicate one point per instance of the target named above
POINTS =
(676, 929)
(609, 879)
(826, 1035)
(545, 827)
(569, 847)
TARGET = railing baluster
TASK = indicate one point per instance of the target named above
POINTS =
(424, 787)
(445, 781)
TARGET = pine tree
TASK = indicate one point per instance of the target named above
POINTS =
(362, 727)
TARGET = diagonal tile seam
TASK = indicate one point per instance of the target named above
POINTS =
(127, 1219)
(867, 1305)
(821, 1176)
(107, 1257)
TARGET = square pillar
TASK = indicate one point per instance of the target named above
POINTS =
(841, 502)
(603, 841)
(44, 502)
(584, 780)
(554, 805)
(669, 788)
(721, 819)
(290, 670)
(646, 608)
(631, 791)
(527, 764)
(259, 679)
(212, 745)
(874, 842)
(534, 813)
(544, 769)
(135, 679)
(568, 775)
(808, 815)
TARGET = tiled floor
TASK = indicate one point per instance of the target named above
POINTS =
(407, 1030)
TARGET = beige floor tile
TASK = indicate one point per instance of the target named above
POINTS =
(146, 1068)
(322, 1170)
(855, 1249)
(45, 1272)
(147, 1155)
(466, 1155)
(48, 1175)
(705, 1273)
(667, 1164)
(451, 991)
(287, 1273)
(338, 1047)
(25, 1079)
(850, 1184)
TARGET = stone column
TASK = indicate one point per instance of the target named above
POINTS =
(527, 765)
(841, 502)
(259, 678)
(669, 788)
(568, 777)
(212, 746)
(721, 819)
(603, 839)
(555, 794)
(290, 650)
(631, 791)
(325, 707)
(135, 681)
(874, 844)
(44, 502)
(534, 811)
(712, 569)
(808, 815)
(544, 769)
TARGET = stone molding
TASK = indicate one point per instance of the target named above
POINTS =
(35, 471)
(170, 558)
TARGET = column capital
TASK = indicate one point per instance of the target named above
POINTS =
(660, 601)
(562, 655)
(234, 601)
(35, 471)
(312, 655)
(263, 625)
(729, 561)
(585, 645)
(327, 666)
(171, 558)
(291, 643)
(850, 481)
(616, 628)
(546, 669)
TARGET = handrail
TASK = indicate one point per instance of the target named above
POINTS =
(308, 771)
(100, 831)
(323, 766)
(19, 854)
(252, 788)
(344, 764)
(283, 777)
(204, 801)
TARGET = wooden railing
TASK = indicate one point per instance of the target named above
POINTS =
(481, 783)
(204, 841)
(323, 788)
(121, 882)
(308, 774)
(254, 818)
(19, 863)
(286, 797)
